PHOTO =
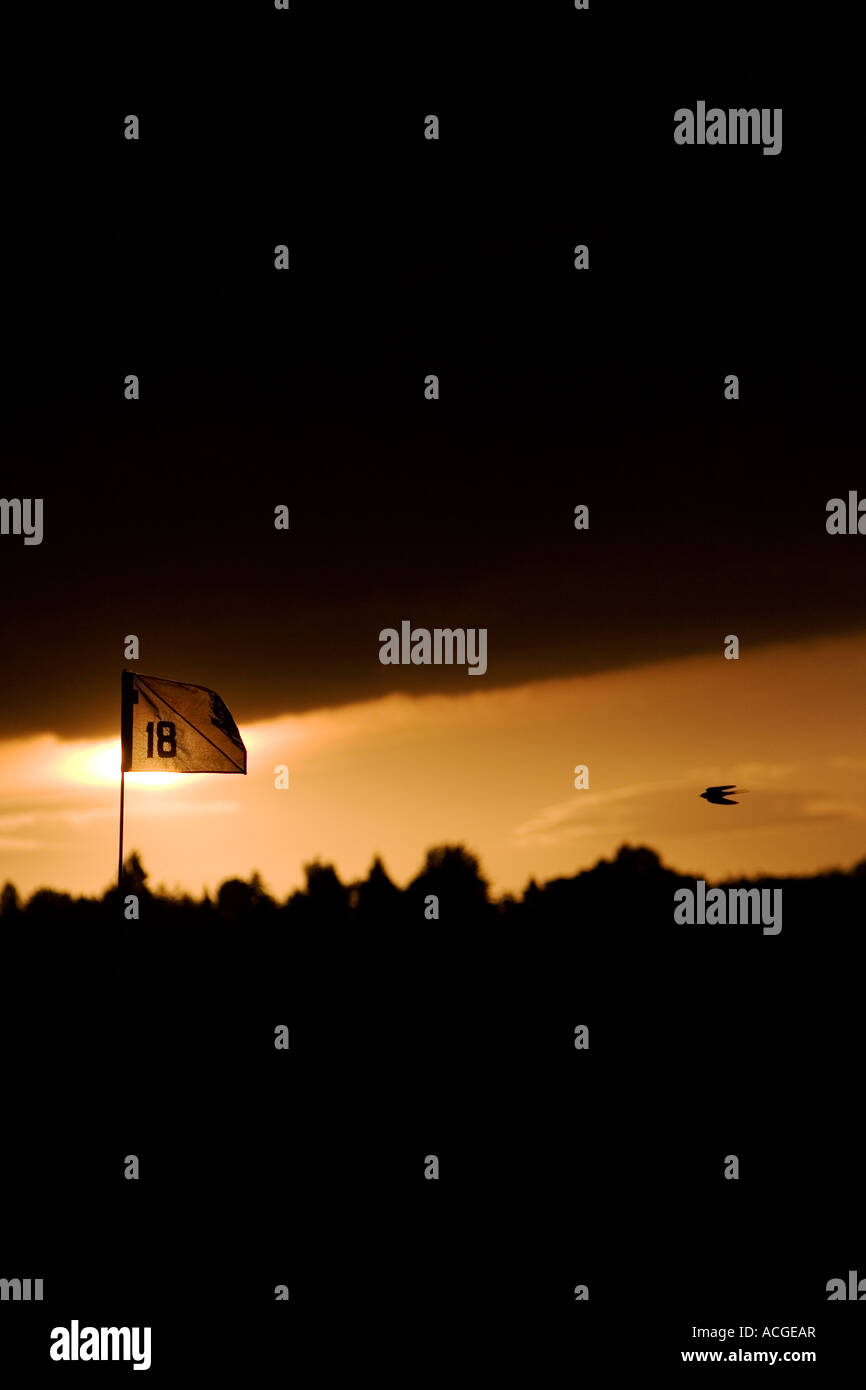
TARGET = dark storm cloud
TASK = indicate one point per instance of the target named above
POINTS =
(558, 387)
(391, 520)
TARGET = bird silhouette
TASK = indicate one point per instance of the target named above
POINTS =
(718, 796)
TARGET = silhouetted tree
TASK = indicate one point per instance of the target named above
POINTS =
(328, 896)
(325, 900)
(376, 898)
(10, 903)
(236, 898)
(454, 876)
(45, 903)
(134, 877)
(639, 860)
(508, 908)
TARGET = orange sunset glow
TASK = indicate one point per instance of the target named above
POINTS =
(397, 774)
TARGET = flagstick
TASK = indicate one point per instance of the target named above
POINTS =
(125, 757)
(120, 850)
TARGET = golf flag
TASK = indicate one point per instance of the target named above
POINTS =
(167, 726)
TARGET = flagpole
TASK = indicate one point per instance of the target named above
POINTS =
(125, 746)
(120, 849)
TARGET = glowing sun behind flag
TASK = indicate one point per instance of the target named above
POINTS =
(170, 727)
(97, 764)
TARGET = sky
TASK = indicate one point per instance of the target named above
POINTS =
(557, 388)
(493, 769)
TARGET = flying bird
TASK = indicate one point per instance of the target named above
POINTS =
(718, 796)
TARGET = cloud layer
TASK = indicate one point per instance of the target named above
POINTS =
(493, 769)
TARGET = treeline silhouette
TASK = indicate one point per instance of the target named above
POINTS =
(450, 885)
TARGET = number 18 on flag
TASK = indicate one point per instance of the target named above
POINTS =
(168, 726)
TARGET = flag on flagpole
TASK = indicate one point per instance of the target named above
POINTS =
(168, 726)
